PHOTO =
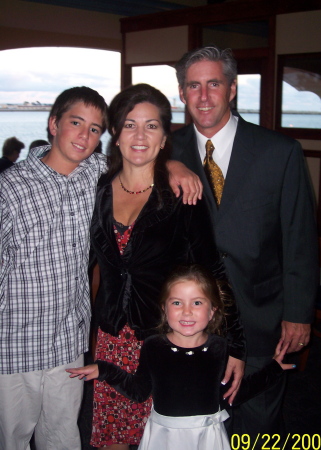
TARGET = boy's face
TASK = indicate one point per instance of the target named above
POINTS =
(75, 137)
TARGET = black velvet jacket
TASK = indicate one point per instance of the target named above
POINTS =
(184, 381)
(162, 237)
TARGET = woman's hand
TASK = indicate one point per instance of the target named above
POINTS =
(87, 373)
(279, 354)
(234, 367)
(180, 175)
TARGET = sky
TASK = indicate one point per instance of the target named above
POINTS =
(40, 74)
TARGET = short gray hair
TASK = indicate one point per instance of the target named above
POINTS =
(209, 53)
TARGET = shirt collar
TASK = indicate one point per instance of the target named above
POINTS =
(221, 140)
(36, 154)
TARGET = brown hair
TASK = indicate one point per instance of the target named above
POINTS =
(211, 288)
(11, 146)
(69, 97)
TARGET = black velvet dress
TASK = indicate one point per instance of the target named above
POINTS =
(184, 382)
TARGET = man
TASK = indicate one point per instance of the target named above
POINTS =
(10, 152)
(263, 220)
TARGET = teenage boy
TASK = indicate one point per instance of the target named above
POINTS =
(46, 206)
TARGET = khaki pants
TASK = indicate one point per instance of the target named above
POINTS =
(44, 402)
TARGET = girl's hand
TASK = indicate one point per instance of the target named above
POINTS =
(87, 373)
(279, 355)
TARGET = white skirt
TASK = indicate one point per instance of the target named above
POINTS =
(185, 433)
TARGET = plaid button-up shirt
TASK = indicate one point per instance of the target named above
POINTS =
(44, 246)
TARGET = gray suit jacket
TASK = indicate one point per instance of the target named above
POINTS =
(265, 229)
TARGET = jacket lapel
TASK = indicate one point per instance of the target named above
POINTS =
(242, 157)
(187, 152)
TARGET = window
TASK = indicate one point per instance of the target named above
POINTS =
(299, 95)
(248, 97)
(32, 78)
(163, 77)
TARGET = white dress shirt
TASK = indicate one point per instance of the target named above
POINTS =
(223, 144)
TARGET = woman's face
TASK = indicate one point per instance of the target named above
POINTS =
(142, 135)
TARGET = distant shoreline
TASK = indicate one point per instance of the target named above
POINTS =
(25, 108)
(14, 108)
(250, 111)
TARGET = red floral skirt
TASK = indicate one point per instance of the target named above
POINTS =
(117, 420)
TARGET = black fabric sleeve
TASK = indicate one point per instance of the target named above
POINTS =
(257, 382)
(232, 328)
(203, 251)
(92, 259)
(136, 386)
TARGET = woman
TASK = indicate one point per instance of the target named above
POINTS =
(140, 230)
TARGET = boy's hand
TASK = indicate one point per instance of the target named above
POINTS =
(279, 354)
(180, 175)
(87, 373)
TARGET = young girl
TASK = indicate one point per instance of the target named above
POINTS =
(183, 367)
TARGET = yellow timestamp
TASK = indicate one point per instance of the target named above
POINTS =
(275, 442)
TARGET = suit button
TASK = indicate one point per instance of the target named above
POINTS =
(124, 274)
(224, 255)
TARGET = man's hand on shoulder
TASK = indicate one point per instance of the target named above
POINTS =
(180, 175)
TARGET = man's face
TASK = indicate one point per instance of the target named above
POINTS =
(75, 136)
(207, 95)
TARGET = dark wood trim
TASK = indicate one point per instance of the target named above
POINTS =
(312, 154)
(269, 83)
(125, 75)
(300, 133)
(316, 154)
(290, 6)
(194, 36)
(217, 13)
(242, 10)
(278, 99)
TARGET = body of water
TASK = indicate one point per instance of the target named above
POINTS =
(290, 120)
(28, 126)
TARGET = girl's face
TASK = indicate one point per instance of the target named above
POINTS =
(188, 312)
(142, 135)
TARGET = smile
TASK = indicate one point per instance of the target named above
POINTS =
(205, 108)
(80, 147)
(139, 147)
(185, 323)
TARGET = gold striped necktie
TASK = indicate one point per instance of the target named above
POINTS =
(213, 172)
